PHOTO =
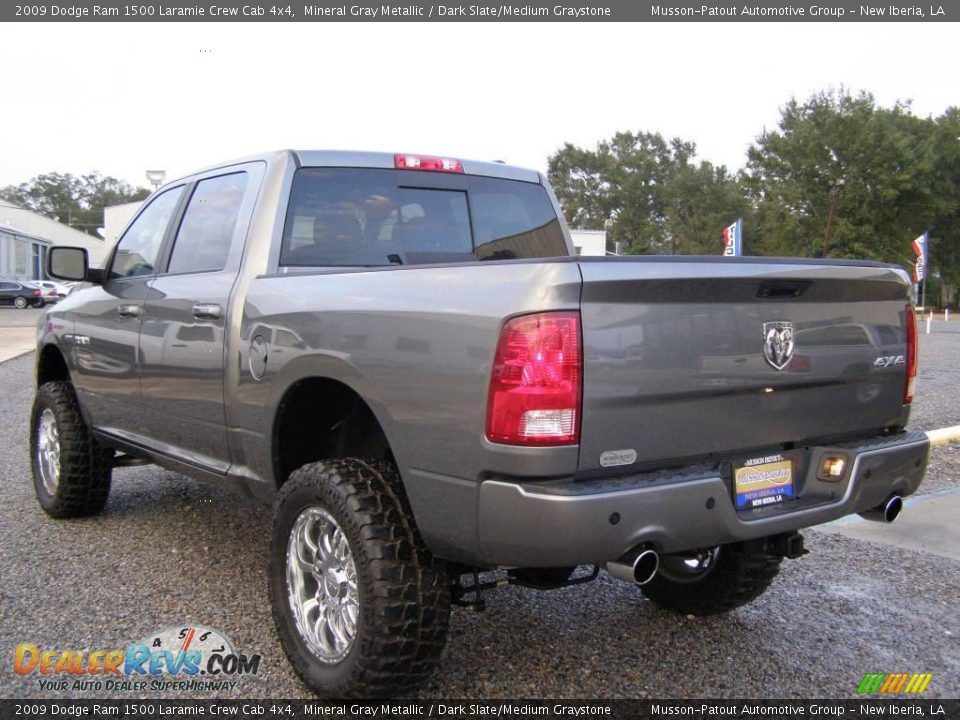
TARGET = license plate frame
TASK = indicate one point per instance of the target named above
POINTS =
(763, 481)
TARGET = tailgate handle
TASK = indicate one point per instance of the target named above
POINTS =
(782, 289)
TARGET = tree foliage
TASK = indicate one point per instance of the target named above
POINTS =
(842, 177)
(839, 176)
(74, 201)
(621, 181)
(647, 191)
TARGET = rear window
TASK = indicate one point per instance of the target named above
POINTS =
(348, 217)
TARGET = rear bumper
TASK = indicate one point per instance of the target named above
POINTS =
(573, 523)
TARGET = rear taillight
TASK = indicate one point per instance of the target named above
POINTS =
(536, 381)
(427, 162)
(36, 292)
(911, 355)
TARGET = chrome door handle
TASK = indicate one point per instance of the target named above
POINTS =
(129, 310)
(207, 310)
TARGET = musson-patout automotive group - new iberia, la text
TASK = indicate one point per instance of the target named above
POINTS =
(795, 11)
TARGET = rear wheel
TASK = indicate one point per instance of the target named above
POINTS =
(71, 470)
(361, 605)
(20, 302)
(713, 580)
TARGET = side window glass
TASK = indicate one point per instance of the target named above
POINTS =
(138, 248)
(206, 233)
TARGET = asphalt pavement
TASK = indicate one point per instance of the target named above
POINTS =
(18, 333)
(171, 551)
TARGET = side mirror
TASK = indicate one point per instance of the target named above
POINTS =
(68, 263)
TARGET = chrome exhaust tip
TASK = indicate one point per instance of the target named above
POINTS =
(886, 512)
(639, 566)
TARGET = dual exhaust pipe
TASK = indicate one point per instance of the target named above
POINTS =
(638, 566)
(886, 512)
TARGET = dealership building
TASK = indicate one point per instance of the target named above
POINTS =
(26, 237)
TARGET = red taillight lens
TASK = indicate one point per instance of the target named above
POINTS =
(425, 162)
(36, 292)
(536, 381)
(911, 355)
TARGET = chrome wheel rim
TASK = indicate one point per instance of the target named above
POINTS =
(322, 585)
(688, 567)
(48, 451)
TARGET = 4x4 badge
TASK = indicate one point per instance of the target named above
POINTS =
(778, 343)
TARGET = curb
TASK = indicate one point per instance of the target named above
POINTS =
(18, 355)
(943, 436)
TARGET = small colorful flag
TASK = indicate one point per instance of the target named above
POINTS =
(733, 239)
(920, 248)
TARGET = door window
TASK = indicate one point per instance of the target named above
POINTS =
(140, 245)
(206, 233)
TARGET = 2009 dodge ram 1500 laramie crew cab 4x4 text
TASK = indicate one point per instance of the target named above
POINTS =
(406, 357)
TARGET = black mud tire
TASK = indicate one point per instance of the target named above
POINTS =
(404, 591)
(85, 466)
(739, 575)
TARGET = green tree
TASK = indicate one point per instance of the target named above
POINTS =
(648, 192)
(842, 177)
(701, 200)
(619, 186)
(74, 201)
(945, 230)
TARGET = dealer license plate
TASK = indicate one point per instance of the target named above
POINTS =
(763, 481)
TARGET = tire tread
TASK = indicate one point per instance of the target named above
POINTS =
(411, 608)
(85, 466)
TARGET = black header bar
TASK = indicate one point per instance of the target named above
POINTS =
(260, 709)
(843, 11)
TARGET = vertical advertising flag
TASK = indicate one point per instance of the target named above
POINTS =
(920, 248)
(733, 239)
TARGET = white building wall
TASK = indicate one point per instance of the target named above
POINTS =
(115, 219)
(590, 242)
(16, 220)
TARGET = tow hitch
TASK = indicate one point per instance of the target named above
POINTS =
(788, 545)
(460, 594)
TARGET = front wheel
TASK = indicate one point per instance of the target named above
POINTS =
(713, 580)
(71, 470)
(360, 604)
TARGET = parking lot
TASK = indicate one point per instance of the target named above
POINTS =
(170, 551)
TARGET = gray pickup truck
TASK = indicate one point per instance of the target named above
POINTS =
(406, 357)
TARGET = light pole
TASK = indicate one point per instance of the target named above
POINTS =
(156, 177)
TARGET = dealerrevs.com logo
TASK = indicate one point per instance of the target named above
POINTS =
(178, 658)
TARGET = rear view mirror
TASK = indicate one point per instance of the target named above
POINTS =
(67, 263)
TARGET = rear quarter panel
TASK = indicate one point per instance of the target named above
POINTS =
(416, 343)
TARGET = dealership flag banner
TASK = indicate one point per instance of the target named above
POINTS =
(733, 239)
(920, 248)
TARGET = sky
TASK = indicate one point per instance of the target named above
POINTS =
(122, 98)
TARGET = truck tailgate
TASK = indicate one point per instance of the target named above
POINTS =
(680, 362)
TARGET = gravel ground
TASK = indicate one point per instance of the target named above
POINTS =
(170, 551)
